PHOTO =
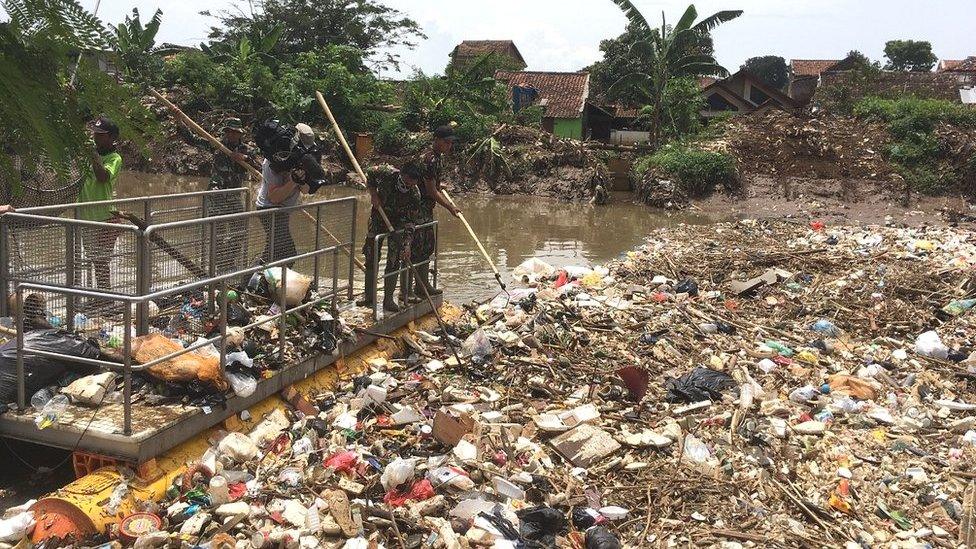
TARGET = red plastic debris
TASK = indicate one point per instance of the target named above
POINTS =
(818, 226)
(420, 491)
(344, 462)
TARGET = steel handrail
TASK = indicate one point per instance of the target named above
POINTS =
(243, 191)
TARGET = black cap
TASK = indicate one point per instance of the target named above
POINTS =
(412, 170)
(104, 124)
(445, 132)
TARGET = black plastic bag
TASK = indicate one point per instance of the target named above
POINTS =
(687, 286)
(540, 526)
(698, 385)
(599, 537)
(39, 371)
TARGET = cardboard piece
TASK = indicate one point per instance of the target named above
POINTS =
(585, 445)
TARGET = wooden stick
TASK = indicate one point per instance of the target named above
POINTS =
(165, 246)
(250, 169)
(345, 145)
(477, 241)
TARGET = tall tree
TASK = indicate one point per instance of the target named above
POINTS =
(667, 52)
(309, 25)
(771, 69)
(909, 55)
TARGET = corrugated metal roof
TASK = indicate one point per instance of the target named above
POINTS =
(564, 93)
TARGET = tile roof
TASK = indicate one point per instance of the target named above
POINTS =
(564, 93)
(475, 48)
(958, 65)
(811, 67)
(706, 81)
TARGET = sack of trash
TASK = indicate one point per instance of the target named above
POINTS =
(40, 372)
(296, 285)
(186, 367)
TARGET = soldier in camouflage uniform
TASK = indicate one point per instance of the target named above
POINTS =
(397, 194)
(229, 174)
(424, 240)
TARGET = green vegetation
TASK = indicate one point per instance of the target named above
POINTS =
(909, 55)
(663, 54)
(42, 116)
(771, 69)
(915, 149)
(696, 171)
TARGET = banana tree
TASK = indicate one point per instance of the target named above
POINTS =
(135, 44)
(669, 52)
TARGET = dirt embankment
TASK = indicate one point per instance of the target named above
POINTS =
(828, 166)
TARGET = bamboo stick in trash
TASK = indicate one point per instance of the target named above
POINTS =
(250, 169)
(477, 241)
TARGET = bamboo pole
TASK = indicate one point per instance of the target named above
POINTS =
(477, 241)
(250, 169)
(386, 221)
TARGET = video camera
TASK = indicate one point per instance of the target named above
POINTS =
(281, 145)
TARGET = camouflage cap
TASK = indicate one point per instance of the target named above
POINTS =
(233, 124)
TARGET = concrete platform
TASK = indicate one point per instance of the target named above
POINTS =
(156, 429)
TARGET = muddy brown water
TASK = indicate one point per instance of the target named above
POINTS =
(512, 228)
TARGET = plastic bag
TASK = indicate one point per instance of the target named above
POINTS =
(477, 345)
(242, 384)
(40, 372)
(51, 411)
(930, 344)
(539, 526)
(534, 267)
(184, 368)
(16, 528)
(599, 537)
(698, 385)
(420, 491)
(296, 285)
(396, 473)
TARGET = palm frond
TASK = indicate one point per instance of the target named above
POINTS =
(709, 23)
(687, 19)
(634, 16)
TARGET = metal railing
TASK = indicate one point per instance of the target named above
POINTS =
(126, 260)
(52, 245)
(405, 271)
(129, 303)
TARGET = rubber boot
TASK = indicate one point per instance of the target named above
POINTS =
(423, 277)
(367, 300)
(389, 290)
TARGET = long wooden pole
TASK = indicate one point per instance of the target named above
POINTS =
(481, 247)
(386, 221)
(250, 169)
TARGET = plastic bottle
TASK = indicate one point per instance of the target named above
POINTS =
(219, 493)
(51, 411)
(42, 397)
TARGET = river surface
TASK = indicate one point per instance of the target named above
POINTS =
(512, 228)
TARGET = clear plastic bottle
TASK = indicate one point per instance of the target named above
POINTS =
(42, 397)
(51, 411)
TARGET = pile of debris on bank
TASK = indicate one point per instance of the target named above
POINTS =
(735, 385)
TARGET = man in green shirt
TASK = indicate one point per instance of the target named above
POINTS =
(99, 185)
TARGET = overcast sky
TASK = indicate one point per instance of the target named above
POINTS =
(565, 34)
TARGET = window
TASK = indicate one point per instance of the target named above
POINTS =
(757, 96)
(718, 103)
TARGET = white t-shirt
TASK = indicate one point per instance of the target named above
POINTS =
(269, 180)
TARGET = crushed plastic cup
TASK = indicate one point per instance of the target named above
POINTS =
(696, 450)
(242, 384)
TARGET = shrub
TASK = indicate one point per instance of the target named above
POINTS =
(915, 149)
(393, 138)
(695, 170)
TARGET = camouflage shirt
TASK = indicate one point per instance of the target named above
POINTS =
(401, 203)
(228, 174)
(433, 170)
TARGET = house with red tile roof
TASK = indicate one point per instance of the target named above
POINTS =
(957, 65)
(470, 50)
(805, 77)
(562, 96)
